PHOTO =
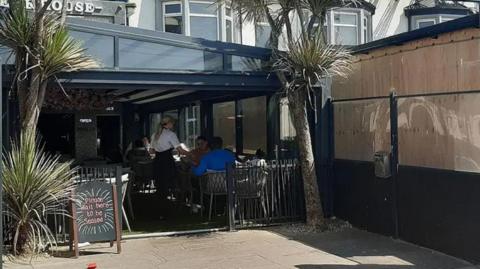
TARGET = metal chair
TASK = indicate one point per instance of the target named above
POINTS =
(213, 184)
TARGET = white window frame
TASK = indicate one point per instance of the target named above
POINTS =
(417, 22)
(333, 24)
(191, 137)
(178, 14)
(445, 18)
(224, 22)
(190, 14)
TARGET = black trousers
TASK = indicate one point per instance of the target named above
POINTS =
(165, 172)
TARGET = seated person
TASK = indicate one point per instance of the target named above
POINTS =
(138, 153)
(216, 159)
(259, 158)
(201, 149)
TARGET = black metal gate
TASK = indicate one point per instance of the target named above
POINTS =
(264, 193)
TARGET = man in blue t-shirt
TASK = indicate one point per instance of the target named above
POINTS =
(216, 159)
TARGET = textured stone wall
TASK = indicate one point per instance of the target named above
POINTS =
(85, 135)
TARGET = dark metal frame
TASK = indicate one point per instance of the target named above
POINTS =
(472, 21)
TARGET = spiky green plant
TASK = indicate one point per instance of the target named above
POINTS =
(300, 68)
(34, 185)
(42, 48)
(308, 60)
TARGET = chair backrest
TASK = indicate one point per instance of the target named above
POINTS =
(250, 181)
(144, 170)
(214, 183)
(96, 172)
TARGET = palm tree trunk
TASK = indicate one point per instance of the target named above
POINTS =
(298, 103)
(30, 97)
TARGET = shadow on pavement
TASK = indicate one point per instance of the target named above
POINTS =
(362, 249)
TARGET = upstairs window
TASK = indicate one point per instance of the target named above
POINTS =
(422, 23)
(203, 20)
(228, 24)
(345, 28)
(172, 17)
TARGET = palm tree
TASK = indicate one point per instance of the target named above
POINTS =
(42, 48)
(307, 60)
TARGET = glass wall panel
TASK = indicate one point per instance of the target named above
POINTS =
(238, 63)
(203, 27)
(192, 125)
(174, 115)
(254, 119)
(224, 123)
(213, 61)
(6, 55)
(440, 132)
(361, 129)
(189, 125)
(98, 46)
(287, 130)
(141, 54)
(288, 144)
(155, 119)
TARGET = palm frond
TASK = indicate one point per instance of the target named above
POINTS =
(62, 53)
(309, 60)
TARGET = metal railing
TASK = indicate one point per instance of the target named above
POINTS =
(266, 192)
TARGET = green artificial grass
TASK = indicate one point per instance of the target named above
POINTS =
(153, 215)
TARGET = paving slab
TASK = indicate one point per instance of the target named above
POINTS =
(270, 248)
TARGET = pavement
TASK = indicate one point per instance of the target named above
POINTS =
(271, 248)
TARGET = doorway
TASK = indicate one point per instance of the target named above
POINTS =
(57, 133)
(109, 145)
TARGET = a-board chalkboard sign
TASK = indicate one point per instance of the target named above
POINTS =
(95, 214)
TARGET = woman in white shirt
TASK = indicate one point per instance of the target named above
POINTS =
(163, 141)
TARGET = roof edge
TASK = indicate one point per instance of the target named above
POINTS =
(472, 21)
(157, 36)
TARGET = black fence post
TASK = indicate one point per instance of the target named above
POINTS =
(231, 197)
(118, 182)
(331, 154)
(394, 158)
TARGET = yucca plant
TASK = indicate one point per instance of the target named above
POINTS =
(306, 63)
(34, 185)
(42, 48)
(300, 68)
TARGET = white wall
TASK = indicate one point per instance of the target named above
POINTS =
(144, 14)
(248, 33)
(390, 19)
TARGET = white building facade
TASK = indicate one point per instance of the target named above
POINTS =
(352, 25)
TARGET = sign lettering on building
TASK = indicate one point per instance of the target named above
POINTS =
(72, 7)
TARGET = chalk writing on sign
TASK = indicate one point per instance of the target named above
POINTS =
(95, 213)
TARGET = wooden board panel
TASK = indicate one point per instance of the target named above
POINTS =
(446, 64)
(361, 129)
(343, 88)
(468, 65)
(440, 132)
